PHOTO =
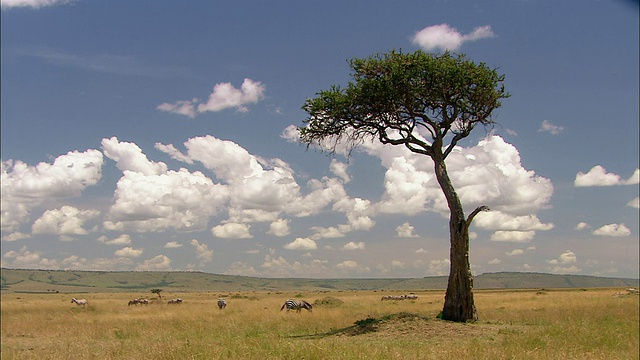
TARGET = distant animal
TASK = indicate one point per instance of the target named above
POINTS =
(395, 297)
(139, 301)
(222, 303)
(81, 302)
(175, 301)
(412, 297)
(296, 305)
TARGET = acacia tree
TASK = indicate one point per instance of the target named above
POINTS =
(157, 292)
(427, 103)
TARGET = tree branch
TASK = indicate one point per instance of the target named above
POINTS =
(453, 143)
(474, 213)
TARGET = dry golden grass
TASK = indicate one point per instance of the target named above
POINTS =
(560, 324)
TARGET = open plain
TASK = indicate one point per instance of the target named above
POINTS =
(514, 324)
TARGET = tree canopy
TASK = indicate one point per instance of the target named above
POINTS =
(157, 292)
(417, 100)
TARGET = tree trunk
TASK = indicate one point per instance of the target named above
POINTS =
(458, 301)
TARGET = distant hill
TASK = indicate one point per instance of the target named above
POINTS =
(73, 281)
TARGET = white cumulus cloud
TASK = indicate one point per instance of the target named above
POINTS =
(354, 246)
(582, 226)
(405, 231)
(232, 231)
(567, 257)
(565, 263)
(301, 244)
(489, 173)
(634, 179)
(497, 220)
(172, 200)
(129, 252)
(548, 126)
(23, 258)
(224, 96)
(158, 263)
(15, 236)
(513, 236)
(129, 157)
(202, 252)
(123, 239)
(25, 187)
(180, 107)
(67, 220)
(515, 252)
(598, 176)
(340, 170)
(615, 230)
(445, 37)
(438, 267)
(258, 184)
(352, 266)
(280, 227)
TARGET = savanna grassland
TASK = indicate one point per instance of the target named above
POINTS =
(514, 324)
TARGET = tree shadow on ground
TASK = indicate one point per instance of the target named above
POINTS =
(371, 325)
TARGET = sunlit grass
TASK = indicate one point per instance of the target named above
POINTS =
(569, 324)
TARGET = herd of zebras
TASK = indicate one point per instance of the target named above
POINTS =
(290, 304)
(400, 297)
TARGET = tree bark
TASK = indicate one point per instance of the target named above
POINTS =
(458, 302)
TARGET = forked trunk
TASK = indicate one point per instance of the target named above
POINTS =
(458, 302)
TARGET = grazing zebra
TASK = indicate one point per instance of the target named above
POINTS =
(81, 302)
(222, 303)
(412, 297)
(296, 305)
(175, 301)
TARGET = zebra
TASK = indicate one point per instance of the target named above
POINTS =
(175, 301)
(81, 302)
(222, 303)
(296, 305)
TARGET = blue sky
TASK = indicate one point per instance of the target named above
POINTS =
(157, 135)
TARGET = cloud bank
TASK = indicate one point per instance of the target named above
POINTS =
(6, 4)
(239, 196)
